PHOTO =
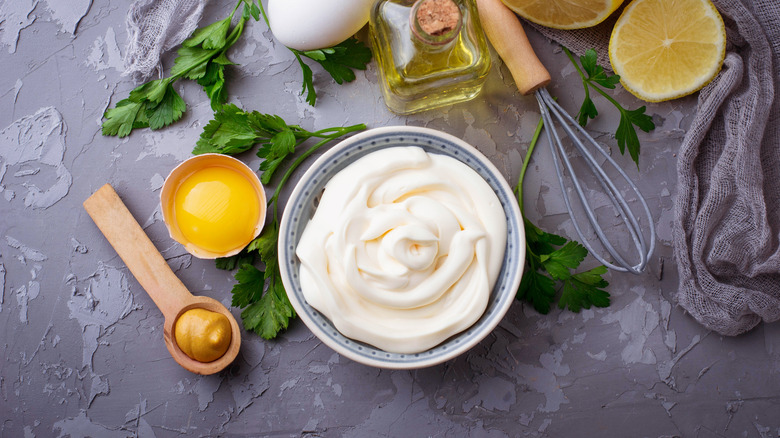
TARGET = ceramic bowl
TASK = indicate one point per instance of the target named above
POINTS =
(180, 173)
(302, 204)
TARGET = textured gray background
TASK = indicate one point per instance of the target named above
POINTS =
(81, 350)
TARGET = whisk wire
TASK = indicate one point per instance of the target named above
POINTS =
(607, 184)
(549, 109)
(554, 140)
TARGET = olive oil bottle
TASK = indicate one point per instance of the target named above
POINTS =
(430, 53)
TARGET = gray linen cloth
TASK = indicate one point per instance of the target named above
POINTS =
(153, 27)
(727, 210)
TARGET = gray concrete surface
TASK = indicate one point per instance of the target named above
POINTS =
(81, 343)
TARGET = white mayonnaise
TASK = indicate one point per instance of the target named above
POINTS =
(403, 249)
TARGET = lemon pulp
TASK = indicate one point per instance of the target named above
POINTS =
(664, 49)
(216, 208)
(203, 335)
(564, 14)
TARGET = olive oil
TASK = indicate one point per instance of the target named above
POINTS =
(424, 64)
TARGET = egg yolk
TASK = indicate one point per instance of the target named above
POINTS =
(217, 208)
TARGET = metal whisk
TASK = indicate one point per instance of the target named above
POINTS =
(550, 109)
(510, 41)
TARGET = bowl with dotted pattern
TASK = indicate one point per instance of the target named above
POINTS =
(303, 203)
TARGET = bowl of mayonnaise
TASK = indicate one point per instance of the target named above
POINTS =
(401, 247)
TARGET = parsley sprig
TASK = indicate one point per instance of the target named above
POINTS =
(339, 61)
(202, 58)
(595, 77)
(550, 260)
(260, 292)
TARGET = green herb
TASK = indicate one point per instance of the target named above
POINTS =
(596, 79)
(339, 61)
(550, 260)
(202, 58)
(260, 293)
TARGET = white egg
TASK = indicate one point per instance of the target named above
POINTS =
(316, 24)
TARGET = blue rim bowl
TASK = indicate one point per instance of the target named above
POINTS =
(302, 204)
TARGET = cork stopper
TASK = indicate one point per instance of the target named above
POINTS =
(438, 17)
(436, 21)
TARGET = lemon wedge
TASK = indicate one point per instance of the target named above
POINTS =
(665, 49)
(564, 14)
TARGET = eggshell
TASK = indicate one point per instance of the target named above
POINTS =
(316, 24)
(180, 173)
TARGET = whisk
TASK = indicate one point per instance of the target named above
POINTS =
(510, 41)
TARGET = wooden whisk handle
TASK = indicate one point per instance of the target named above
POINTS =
(506, 33)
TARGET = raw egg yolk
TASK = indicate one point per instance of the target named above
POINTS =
(202, 334)
(217, 209)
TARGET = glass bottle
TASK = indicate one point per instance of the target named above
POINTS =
(430, 53)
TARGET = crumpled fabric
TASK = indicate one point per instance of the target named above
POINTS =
(154, 27)
(727, 209)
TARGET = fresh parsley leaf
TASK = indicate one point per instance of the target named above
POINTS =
(538, 289)
(124, 118)
(170, 109)
(548, 263)
(274, 151)
(153, 91)
(268, 167)
(202, 57)
(308, 81)
(541, 242)
(191, 62)
(212, 36)
(253, 9)
(626, 134)
(233, 262)
(585, 289)
(213, 83)
(260, 293)
(339, 61)
(229, 132)
(550, 260)
(271, 314)
(233, 131)
(596, 72)
(266, 125)
(559, 262)
(249, 287)
(265, 245)
(595, 77)
(587, 110)
(281, 144)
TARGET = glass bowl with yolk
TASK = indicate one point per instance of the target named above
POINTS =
(214, 205)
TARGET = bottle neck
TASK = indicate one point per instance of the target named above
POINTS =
(435, 23)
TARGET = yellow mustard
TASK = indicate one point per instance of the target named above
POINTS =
(202, 334)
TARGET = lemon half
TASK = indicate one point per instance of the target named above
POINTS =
(564, 14)
(665, 49)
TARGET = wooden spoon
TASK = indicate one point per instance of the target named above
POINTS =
(156, 277)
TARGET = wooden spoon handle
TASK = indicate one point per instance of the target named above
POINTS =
(137, 251)
(506, 33)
